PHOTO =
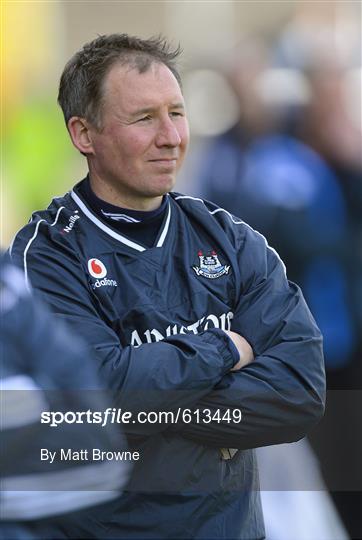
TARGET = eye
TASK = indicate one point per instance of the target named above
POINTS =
(144, 118)
(175, 114)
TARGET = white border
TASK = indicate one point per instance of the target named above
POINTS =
(237, 222)
(119, 237)
(31, 241)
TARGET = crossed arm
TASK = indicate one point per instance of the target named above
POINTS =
(281, 392)
(277, 381)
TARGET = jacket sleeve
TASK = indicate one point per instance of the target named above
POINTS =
(157, 376)
(281, 393)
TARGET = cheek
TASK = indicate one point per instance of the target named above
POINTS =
(134, 146)
(184, 133)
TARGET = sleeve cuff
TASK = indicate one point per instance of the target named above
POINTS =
(225, 346)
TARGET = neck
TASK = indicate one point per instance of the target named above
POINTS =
(108, 193)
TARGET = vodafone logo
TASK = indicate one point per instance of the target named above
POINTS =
(96, 268)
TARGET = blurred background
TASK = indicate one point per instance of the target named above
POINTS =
(273, 92)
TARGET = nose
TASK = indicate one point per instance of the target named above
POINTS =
(167, 134)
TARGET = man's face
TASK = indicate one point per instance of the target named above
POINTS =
(144, 134)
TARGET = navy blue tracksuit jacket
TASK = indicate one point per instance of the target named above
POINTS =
(154, 318)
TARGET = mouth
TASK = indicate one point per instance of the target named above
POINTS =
(164, 161)
(168, 165)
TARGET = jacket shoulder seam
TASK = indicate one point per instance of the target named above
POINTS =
(31, 240)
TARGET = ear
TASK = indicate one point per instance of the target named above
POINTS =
(79, 131)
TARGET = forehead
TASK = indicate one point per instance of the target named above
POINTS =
(126, 88)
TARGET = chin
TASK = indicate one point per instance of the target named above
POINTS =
(165, 184)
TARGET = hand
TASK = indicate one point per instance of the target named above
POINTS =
(245, 351)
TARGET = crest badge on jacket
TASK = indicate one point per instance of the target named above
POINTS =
(210, 266)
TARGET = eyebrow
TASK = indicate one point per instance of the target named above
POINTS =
(147, 110)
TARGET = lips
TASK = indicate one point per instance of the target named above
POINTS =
(163, 160)
(166, 165)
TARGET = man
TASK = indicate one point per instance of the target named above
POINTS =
(188, 309)
(37, 495)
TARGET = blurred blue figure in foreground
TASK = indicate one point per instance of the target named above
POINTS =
(42, 368)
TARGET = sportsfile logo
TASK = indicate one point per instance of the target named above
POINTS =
(97, 270)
